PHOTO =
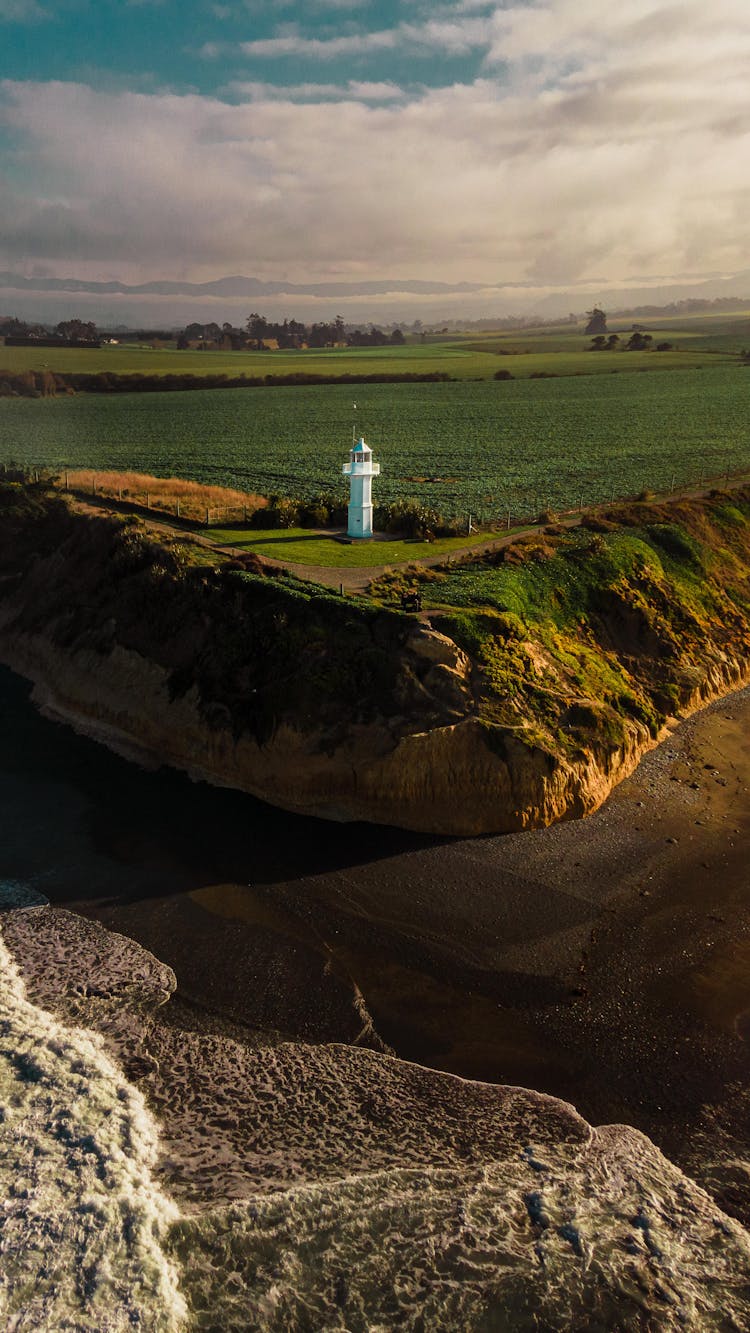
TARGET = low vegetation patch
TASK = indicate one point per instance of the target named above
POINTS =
(576, 633)
(299, 546)
(174, 495)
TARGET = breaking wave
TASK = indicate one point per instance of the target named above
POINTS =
(83, 1227)
(313, 1187)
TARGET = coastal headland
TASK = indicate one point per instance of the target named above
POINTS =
(532, 683)
(601, 963)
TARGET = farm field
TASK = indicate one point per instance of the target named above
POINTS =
(479, 448)
(456, 360)
(721, 335)
(558, 351)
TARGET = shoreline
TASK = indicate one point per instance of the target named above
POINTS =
(602, 972)
(602, 969)
(225, 1183)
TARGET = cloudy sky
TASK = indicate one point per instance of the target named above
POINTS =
(530, 145)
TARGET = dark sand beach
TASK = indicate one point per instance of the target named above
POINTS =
(604, 961)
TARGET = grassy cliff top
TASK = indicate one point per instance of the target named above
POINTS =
(574, 632)
(574, 636)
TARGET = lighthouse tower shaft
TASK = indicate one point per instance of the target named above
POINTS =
(360, 470)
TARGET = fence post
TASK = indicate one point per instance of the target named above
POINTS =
(674, 479)
(508, 520)
(177, 509)
(119, 494)
(148, 500)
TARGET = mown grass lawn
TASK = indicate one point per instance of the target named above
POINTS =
(303, 547)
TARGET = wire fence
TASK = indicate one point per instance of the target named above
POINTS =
(497, 513)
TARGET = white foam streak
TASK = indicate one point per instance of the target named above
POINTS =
(83, 1224)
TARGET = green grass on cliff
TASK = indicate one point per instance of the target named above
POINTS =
(259, 650)
(573, 635)
(300, 546)
(576, 632)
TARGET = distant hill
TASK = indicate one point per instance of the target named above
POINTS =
(234, 287)
(164, 302)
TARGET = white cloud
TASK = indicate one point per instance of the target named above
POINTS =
(385, 91)
(355, 90)
(294, 44)
(450, 36)
(21, 11)
(339, 4)
(558, 32)
(616, 144)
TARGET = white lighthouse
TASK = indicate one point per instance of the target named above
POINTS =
(360, 469)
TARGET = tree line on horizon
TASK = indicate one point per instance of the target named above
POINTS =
(72, 330)
(257, 333)
(288, 334)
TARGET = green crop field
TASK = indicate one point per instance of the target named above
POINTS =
(480, 447)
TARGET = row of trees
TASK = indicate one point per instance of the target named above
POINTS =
(257, 332)
(637, 342)
(74, 330)
(288, 333)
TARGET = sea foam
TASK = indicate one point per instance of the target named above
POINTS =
(83, 1224)
(319, 1187)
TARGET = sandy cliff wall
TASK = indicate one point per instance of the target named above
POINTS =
(446, 780)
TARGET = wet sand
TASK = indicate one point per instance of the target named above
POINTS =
(604, 961)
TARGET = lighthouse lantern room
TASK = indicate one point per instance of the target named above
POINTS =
(360, 470)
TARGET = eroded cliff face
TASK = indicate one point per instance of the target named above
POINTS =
(320, 705)
(454, 779)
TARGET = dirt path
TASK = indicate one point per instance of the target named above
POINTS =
(351, 579)
(357, 579)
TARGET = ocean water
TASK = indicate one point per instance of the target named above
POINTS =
(14, 893)
(338, 1188)
(204, 1151)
